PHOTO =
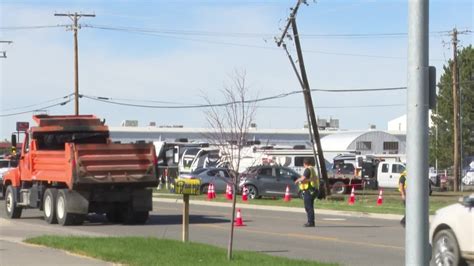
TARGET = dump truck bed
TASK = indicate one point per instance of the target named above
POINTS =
(80, 165)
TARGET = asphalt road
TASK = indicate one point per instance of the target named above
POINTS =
(341, 239)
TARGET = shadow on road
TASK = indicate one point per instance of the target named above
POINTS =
(101, 220)
(351, 226)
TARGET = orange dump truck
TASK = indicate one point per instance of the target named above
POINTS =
(68, 168)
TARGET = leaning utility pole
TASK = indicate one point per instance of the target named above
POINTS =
(416, 233)
(456, 131)
(75, 17)
(303, 79)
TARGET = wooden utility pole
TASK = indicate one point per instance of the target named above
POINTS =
(456, 131)
(75, 18)
(303, 79)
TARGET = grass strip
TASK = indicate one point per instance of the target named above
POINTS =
(154, 251)
(366, 202)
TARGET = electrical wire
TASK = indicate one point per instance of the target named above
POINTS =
(38, 109)
(164, 35)
(40, 103)
(34, 27)
(195, 106)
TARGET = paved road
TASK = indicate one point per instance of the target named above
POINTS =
(342, 239)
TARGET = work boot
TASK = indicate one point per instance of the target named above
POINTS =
(309, 225)
(402, 222)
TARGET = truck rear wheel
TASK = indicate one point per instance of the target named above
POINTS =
(13, 211)
(49, 205)
(64, 217)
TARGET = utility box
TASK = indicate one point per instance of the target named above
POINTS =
(186, 186)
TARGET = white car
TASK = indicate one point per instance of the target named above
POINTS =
(452, 233)
(5, 165)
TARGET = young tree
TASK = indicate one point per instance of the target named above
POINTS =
(441, 133)
(229, 124)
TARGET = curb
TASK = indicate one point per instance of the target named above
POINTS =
(284, 209)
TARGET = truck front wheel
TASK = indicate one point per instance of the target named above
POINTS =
(13, 211)
(49, 205)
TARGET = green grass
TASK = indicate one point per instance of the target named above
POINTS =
(154, 251)
(366, 201)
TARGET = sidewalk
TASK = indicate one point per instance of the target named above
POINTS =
(15, 252)
(280, 208)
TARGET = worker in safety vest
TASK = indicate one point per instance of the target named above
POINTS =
(402, 185)
(308, 184)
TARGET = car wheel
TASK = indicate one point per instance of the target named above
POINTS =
(13, 211)
(446, 249)
(339, 188)
(49, 205)
(252, 192)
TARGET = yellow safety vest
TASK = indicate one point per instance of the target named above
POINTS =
(405, 185)
(314, 180)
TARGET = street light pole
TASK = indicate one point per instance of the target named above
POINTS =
(416, 234)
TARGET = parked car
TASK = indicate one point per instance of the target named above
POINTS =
(270, 181)
(220, 177)
(451, 233)
(5, 165)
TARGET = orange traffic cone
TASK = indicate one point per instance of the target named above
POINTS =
(238, 220)
(229, 192)
(352, 197)
(380, 198)
(213, 192)
(245, 194)
(287, 194)
(209, 192)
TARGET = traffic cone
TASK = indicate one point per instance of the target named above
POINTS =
(287, 194)
(209, 192)
(380, 198)
(229, 192)
(244, 194)
(238, 220)
(352, 197)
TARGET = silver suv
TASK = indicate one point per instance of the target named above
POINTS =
(269, 181)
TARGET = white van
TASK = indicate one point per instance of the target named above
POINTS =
(388, 174)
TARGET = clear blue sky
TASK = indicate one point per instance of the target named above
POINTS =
(212, 38)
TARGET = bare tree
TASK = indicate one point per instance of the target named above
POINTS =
(229, 123)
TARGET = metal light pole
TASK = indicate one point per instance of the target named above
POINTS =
(416, 234)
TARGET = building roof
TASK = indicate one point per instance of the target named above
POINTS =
(343, 141)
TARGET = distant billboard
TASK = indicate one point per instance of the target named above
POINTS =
(22, 126)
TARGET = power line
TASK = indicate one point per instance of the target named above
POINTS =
(126, 102)
(33, 27)
(162, 35)
(36, 104)
(334, 107)
(37, 109)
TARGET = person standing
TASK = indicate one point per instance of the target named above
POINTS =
(308, 184)
(402, 188)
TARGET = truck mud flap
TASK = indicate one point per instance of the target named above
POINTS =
(76, 202)
(142, 200)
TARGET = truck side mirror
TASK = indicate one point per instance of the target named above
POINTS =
(13, 140)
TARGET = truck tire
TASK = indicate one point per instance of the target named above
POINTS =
(49, 205)
(130, 216)
(339, 188)
(114, 215)
(13, 211)
(64, 217)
